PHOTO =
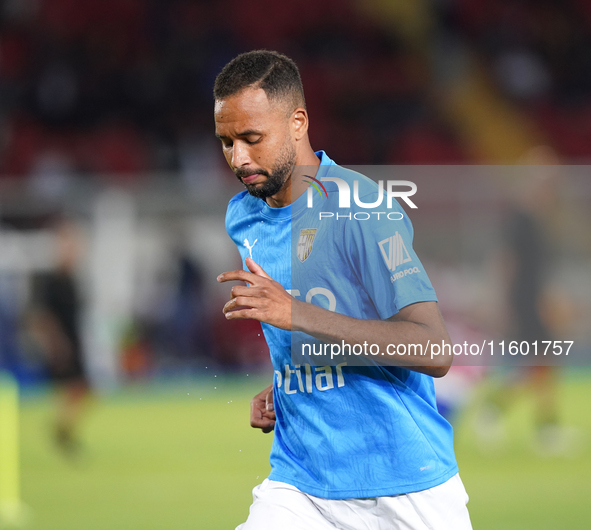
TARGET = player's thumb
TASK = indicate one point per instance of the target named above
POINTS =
(269, 401)
(255, 268)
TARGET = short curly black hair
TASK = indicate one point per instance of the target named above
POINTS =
(275, 73)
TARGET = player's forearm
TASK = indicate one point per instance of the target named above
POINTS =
(333, 327)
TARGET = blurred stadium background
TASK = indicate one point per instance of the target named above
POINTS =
(106, 119)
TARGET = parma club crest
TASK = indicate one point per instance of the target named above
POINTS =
(305, 243)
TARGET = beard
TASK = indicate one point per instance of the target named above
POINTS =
(276, 178)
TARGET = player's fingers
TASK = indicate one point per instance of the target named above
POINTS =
(241, 275)
(258, 421)
(260, 418)
(238, 314)
(243, 290)
(255, 268)
(257, 408)
(269, 429)
(256, 413)
(266, 424)
(243, 301)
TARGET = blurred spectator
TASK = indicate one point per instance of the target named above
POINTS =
(54, 320)
(528, 262)
(126, 84)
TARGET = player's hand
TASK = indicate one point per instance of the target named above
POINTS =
(263, 299)
(262, 412)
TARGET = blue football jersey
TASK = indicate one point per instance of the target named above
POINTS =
(345, 431)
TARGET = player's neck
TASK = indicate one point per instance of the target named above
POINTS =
(295, 186)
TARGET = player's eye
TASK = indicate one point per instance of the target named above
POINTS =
(252, 141)
(226, 143)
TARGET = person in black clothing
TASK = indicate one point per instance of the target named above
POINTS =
(55, 321)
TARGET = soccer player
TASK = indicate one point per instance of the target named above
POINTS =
(354, 446)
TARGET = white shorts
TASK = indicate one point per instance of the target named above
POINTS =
(280, 506)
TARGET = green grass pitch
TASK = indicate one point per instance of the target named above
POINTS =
(183, 456)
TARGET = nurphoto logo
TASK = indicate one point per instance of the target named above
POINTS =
(344, 191)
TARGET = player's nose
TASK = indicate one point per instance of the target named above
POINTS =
(240, 156)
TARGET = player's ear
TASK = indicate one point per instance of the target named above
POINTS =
(299, 123)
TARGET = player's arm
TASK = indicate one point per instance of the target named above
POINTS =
(420, 324)
(267, 301)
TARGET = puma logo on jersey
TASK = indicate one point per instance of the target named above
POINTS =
(249, 246)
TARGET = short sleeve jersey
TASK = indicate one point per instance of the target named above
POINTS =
(345, 431)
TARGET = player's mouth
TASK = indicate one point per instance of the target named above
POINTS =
(249, 179)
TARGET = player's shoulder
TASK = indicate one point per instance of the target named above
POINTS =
(360, 187)
(364, 184)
